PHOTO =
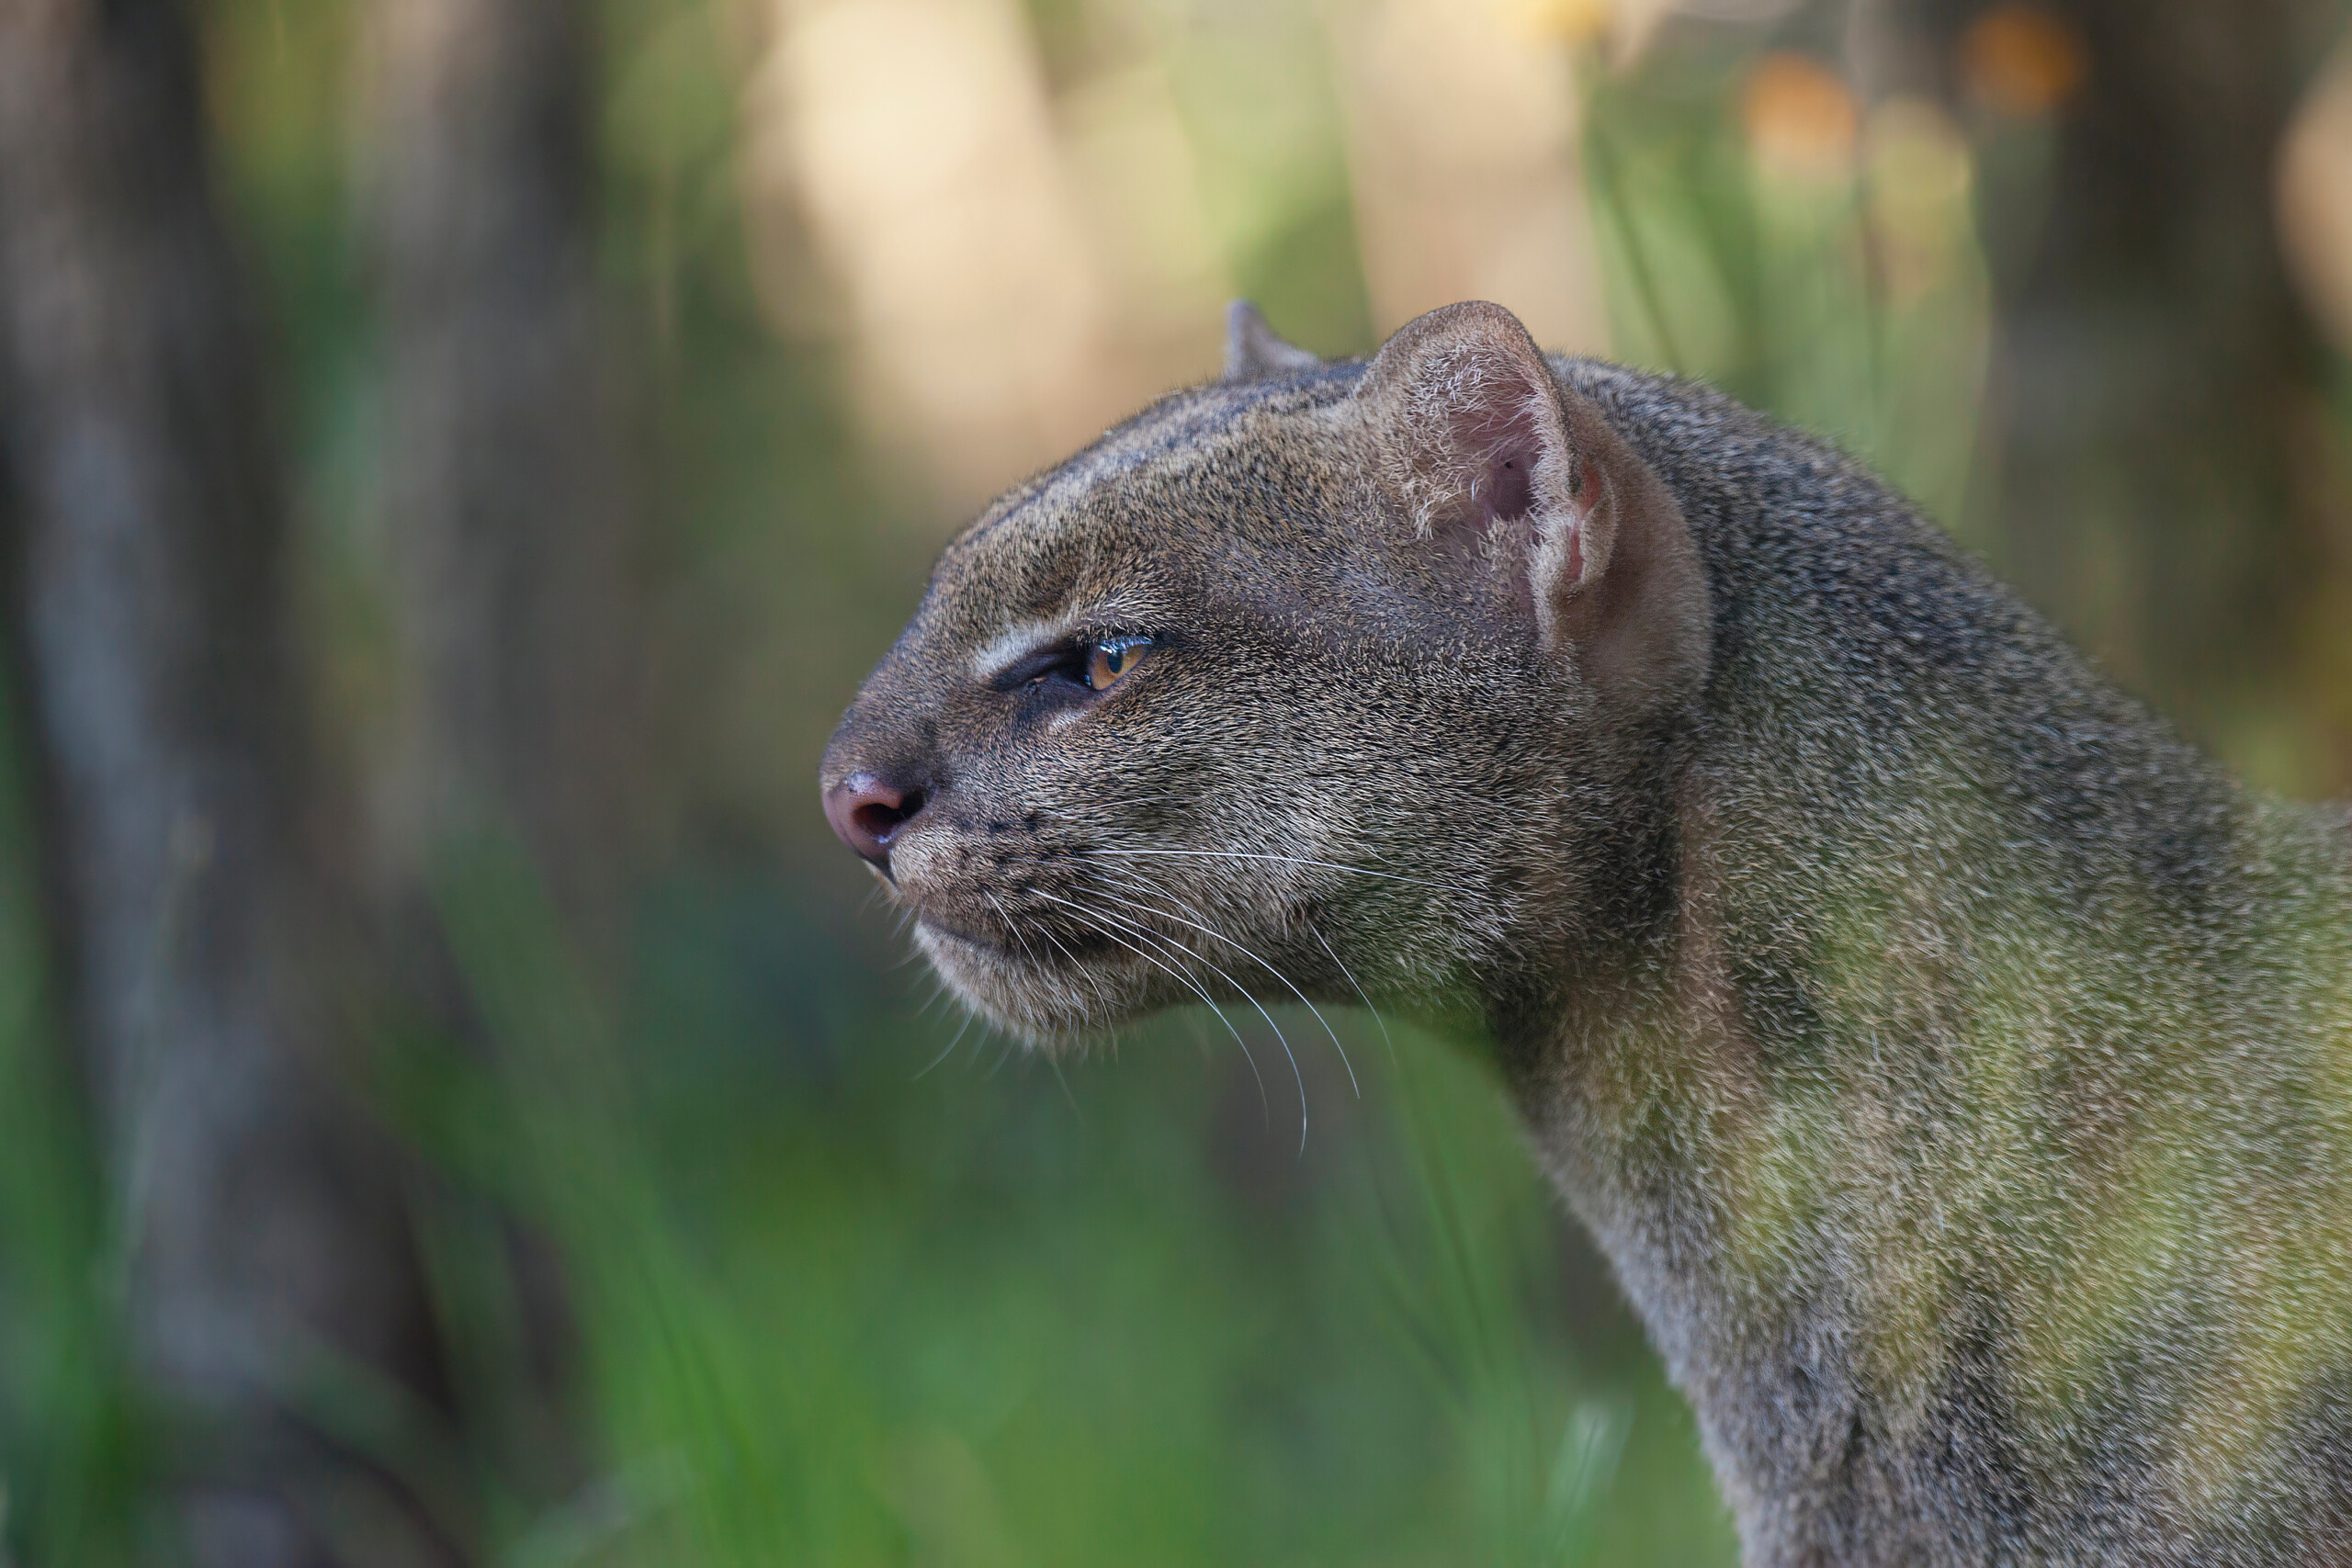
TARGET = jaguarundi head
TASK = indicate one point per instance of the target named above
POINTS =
(1321, 680)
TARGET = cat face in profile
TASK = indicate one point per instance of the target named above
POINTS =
(1320, 682)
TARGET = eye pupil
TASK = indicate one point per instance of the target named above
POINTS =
(1109, 661)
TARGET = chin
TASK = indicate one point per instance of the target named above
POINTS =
(1057, 1012)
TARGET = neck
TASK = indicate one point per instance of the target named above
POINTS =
(1971, 1130)
(1937, 1111)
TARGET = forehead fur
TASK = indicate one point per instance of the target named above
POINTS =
(1042, 546)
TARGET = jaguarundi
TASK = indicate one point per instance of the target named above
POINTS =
(1955, 1066)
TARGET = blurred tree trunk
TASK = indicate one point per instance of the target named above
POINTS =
(503, 487)
(505, 500)
(2158, 425)
(267, 1245)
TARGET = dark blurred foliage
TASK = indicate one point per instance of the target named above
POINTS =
(616, 428)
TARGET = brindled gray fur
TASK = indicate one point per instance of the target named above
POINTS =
(1956, 1068)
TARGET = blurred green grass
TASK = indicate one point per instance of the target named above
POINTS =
(845, 1298)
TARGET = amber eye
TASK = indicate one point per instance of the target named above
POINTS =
(1106, 661)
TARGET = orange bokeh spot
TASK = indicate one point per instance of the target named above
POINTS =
(2022, 61)
(1571, 21)
(1798, 117)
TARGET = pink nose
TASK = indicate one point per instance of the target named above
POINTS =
(867, 814)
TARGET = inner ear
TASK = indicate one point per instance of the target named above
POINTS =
(1481, 445)
(1476, 441)
(1506, 445)
(1474, 434)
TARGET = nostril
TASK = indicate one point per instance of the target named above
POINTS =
(868, 813)
(878, 819)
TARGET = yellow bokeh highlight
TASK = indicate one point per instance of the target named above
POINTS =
(1461, 144)
(1568, 21)
(1800, 117)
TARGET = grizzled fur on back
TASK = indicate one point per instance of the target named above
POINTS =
(1956, 1068)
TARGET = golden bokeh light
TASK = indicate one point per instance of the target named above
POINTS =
(2022, 61)
(1015, 257)
(1016, 269)
(2315, 200)
(1921, 174)
(1461, 153)
(1801, 119)
(1569, 21)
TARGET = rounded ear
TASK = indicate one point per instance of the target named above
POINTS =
(1475, 432)
(1252, 352)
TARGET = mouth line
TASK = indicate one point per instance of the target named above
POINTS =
(968, 938)
(1006, 945)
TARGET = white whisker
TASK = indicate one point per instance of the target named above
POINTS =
(1293, 860)
(1280, 1038)
(1386, 1038)
(1078, 971)
(1012, 926)
(1268, 968)
(1147, 935)
(1101, 992)
(1054, 1062)
(957, 1039)
(1197, 990)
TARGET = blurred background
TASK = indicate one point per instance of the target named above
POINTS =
(458, 1105)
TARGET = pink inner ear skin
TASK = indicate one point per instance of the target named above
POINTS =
(1511, 488)
(1500, 439)
(1586, 496)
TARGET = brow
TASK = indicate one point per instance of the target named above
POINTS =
(1020, 639)
(1025, 637)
